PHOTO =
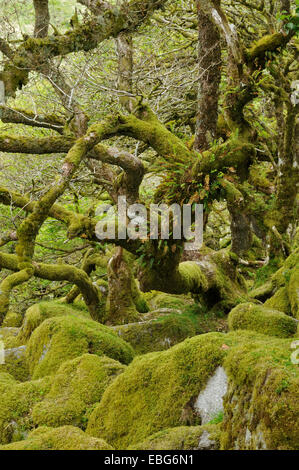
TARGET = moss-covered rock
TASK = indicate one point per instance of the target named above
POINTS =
(13, 320)
(182, 438)
(261, 408)
(280, 301)
(16, 363)
(63, 338)
(250, 316)
(37, 313)
(157, 391)
(158, 300)
(160, 390)
(157, 334)
(9, 336)
(76, 387)
(17, 400)
(63, 438)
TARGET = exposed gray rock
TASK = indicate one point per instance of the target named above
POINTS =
(209, 402)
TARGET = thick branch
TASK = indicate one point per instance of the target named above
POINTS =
(35, 145)
(20, 116)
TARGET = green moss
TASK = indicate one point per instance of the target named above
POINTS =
(293, 291)
(9, 337)
(63, 438)
(37, 313)
(264, 320)
(280, 301)
(12, 320)
(180, 438)
(264, 274)
(78, 384)
(261, 408)
(17, 400)
(16, 363)
(157, 334)
(156, 391)
(158, 300)
(63, 338)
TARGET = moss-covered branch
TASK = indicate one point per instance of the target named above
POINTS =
(111, 20)
(34, 145)
(28, 118)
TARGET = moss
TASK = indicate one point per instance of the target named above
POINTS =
(37, 313)
(270, 42)
(16, 363)
(261, 408)
(13, 320)
(264, 320)
(156, 391)
(280, 301)
(17, 400)
(158, 300)
(63, 438)
(78, 384)
(180, 438)
(264, 274)
(9, 337)
(157, 334)
(63, 338)
(293, 291)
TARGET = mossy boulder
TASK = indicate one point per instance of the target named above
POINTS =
(157, 334)
(63, 438)
(182, 438)
(37, 313)
(250, 316)
(13, 320)
(16, 363)
(280, 301)
(76, 387)
(17, 400)
(8, 335)
(158, 300)
(60, 339)
(157, 391)
(261, 408)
